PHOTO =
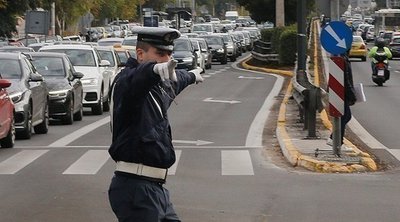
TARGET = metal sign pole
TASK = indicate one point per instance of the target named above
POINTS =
(336, 137)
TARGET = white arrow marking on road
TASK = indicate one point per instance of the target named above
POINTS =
(341, 42)
(211, 100)
(250, 77)
(197, 142)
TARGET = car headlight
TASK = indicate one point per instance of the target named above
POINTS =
(90, 81)
(188, 59)
(58, 94)
(17, 97)
(220, 50)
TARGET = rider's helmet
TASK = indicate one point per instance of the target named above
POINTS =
(380, 43)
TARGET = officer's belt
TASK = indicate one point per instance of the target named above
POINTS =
(142, 170)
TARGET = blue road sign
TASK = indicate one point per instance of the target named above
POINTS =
(336, 37)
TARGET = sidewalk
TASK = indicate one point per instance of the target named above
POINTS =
(301, 151)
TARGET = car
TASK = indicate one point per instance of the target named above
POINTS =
(16, 49)
(203, 28)
(240, 41)
(206, 51)
(387, 36)
(358, 48)
(110, 54)
(123, 53)
(110, 41)
(184, 53)
(64, 83)
(218, 48)
(7, 129)
(370, 34)
(96, 82)
(130, 40)
(394, 47)
(231, 47)
(201, 60)
(29, 93)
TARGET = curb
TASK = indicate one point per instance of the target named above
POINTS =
(292, 154)
(275, 71)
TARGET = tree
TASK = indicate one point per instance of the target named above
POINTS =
(264, 10)
(9, 10)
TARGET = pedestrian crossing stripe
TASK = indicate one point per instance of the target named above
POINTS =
(20, 160)
(233, 162)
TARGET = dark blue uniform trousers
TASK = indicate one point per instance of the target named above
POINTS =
(139, 200)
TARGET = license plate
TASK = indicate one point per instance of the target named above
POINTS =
(381, 72)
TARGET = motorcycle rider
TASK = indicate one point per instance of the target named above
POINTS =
(379, 48)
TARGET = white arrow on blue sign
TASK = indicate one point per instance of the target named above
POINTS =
(336, 37)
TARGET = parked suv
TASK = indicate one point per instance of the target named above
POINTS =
(7, 129)
(96, 82)
(28, 92)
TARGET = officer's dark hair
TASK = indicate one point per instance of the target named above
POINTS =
(143, 45)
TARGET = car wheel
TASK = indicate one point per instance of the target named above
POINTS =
(26, 132)
(69, 118)
(79, 115)
(43, 127)
(224, 60)
(364, 59)
(106, 105)
(9, 140)
(233, 58)
(98, 108)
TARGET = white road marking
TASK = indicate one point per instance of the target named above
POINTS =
(172, 169)
(89, 163)
(206, 76)
(77, 134)
(20, 160)
(395, 153)
(180, 147)
(236, 162)
(197, 142)
(211, 100)
(250, 77)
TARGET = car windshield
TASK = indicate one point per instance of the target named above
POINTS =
(123, 57)
(195, 44)
(108, 43)
(202, 28)
(226, 38)
(131, 42)
(78, 57)
(214, 41)
(203, 46)
(181, 46)
(396, 40)
(357, 39)
(49, 66)
(10, 69)
(107, 55)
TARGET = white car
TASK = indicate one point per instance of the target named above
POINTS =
(201, 61)
(96, 82)
(108, 53)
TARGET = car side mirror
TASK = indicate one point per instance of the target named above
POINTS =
(104, 63)
(36, 77)
(4, 83)
(78, 75)
(210, 48)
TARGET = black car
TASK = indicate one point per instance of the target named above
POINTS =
(64, 83)
(29, 93)
(184, 53)
(218, 48)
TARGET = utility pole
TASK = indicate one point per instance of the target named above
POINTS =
(301, 35)
(280, 13)
(53, 19)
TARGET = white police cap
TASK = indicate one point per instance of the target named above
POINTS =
(159, 37)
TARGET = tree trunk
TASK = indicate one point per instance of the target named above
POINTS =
(280, 13)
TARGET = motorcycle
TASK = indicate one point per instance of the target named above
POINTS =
(381, 72)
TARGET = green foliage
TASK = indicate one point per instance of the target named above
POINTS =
(264, 10)
(288, 46)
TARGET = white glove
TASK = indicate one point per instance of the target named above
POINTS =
(197, 72)
(166, 70)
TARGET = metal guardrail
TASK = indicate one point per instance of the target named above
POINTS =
(309, 99)
(262, 51)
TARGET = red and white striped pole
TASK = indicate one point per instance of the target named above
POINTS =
(336, 98)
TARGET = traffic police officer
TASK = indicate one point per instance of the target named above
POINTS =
(141, 135)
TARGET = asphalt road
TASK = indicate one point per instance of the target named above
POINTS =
(223, 171)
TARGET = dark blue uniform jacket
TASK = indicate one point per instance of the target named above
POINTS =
(141, 131)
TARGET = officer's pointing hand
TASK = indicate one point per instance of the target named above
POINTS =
(166, 70)
(197, 72)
